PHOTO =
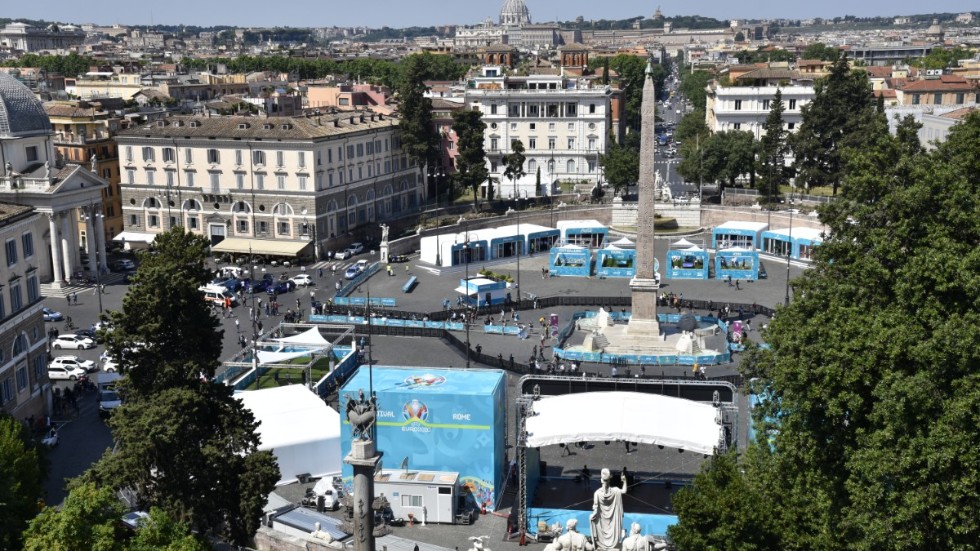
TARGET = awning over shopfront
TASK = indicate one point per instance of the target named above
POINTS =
(135, 237)
(259, 246)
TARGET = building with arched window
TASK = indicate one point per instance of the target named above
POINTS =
(284, 187)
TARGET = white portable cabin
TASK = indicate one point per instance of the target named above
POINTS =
(423, 494)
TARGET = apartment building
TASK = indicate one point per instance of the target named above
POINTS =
(745, 108)
(937, 89)
(563, 123)
(84, 132)
(24, 385)
(25, 38)
(283, 187)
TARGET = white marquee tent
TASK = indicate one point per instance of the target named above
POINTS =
(301, 430)
(624, 416)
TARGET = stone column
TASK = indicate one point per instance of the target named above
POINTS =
(76, 244)
(57, 274)
(364, 458)
(643, 319)
(90, 240)
(100, 241)
(66, 246)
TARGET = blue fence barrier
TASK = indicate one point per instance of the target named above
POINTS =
(389, 322)
(362, 302)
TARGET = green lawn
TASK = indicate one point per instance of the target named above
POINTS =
(291, 375)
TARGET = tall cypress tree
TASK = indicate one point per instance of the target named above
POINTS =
(419, 138)
(772, 150)
(471, 167)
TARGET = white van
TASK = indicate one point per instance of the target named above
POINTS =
(230, 271)
(217, 294)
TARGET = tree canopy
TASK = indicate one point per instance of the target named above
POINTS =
(621, 163)
(514, 164)
(842, 115)
(723, 158)
(471, 168)
(693, 87)
(870, 390)
(772, 151)
(821, 51)
(20, 480)
(184, 443)
(419, 137)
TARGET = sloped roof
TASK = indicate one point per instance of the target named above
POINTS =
(21, 114)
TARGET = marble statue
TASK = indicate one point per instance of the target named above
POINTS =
(384, 233)
(48, 170)
(635, 541)
(8, 169)
(572, 540)
(361, 413)
(478, 543)
(95, 162)
(607, 513)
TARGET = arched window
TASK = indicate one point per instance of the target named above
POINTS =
(351, 211)
(282, 209)
(570, 166)
(20, 345)
(551, 166)
(151, 203)
(532, 166)
(241, 207)
(386, 202)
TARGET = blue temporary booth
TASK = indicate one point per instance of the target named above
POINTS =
(615, 262)
(570, 260)
(585, 233)
(482, 291)
(738, 263)
(437, 419)
(690, 263)
(797, 242)
(738, 234)
(540, 238)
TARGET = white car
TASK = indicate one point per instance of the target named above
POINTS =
(302, 280)
(110, 365)
(73, 341)
(342, 254)
(74, 361)
(51, 438)
(65, 373)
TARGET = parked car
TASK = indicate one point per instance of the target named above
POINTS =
(122, 265)
(65, 373)
(281, 287)
(230, 283)
(343, 254)
(90, 333)
(109, 400)
(398, 258)
(72, 341)
(51, 315)
(302, 280)
(74, 361)
(356, 248)
(110, 365)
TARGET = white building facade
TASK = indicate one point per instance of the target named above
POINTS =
(746, 108)
(562, 122)
(278, 187)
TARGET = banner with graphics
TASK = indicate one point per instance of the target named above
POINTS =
(438, 420)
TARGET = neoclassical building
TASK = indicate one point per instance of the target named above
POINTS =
(283, 187)
(68, 196)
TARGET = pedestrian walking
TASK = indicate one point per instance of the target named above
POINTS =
(74, 297)
(737, 287)
(237, 327)
(319, 273)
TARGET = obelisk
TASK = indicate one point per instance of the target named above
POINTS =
(643, 320)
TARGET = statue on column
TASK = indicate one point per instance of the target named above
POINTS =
(607, 513)
(361, 414)
(95, 163)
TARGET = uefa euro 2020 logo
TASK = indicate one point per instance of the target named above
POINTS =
(415, 411)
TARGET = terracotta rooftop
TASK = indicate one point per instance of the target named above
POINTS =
(9, 211)
(944, 84)
(961, 113)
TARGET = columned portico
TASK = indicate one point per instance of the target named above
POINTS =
(56, 268)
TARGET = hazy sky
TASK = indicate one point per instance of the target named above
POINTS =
(404, 13)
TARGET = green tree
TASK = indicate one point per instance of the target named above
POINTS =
(20, 480)
(693, 86)
(821, 51)
(942, 58)
(514, 164)
(631, 71)
(692, 128)
(419, 138)
(876, 443)
(162, 533)
(724, 157)
(89, 518)
(471, 167)
(739, 37)
(537, 184)
(620, 165)
(168, 343)
(841, 115)
(772, 151)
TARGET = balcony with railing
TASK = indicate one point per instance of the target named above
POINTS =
(80, 139)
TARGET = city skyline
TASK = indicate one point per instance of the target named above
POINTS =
(399, 13)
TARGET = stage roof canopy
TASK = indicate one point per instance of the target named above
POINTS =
(626, 417)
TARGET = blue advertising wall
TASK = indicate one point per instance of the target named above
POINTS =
(570, 261)
(441, 420)
(687, 264)
(737, 264)
(615, 262)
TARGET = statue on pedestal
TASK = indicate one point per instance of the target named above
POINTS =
(607, 513)
(361, 413)
(572, 540)
(635, 541)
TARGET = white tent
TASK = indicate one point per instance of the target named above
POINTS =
(624, 243)
(300, 429)
(624, 416)
(694, 249)
(682, 244)
(311, 338)
(266, 357)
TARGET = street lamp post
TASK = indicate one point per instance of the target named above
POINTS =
(466, 290)
(789, 255)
